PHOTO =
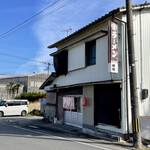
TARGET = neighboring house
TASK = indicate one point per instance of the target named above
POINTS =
(31, 82)
(51, 98)
(84, 76)
(6, 93)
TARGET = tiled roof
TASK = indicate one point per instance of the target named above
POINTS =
(111, 13)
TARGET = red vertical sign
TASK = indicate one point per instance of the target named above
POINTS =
(113, 46)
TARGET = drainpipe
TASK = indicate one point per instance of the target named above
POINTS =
(141, 47)
(127, 74)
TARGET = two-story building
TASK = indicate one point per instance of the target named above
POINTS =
(91, 87)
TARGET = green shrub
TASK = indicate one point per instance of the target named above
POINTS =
(31, 96)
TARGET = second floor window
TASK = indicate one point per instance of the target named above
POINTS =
(61, 63)
(91, 53)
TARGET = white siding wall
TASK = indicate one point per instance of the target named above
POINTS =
(142, 53)
(76, 58)
(145, 52)
(142, 47)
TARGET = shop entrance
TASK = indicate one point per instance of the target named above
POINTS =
(108, 104)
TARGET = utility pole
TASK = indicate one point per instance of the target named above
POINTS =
(133, 78)
(48, 67)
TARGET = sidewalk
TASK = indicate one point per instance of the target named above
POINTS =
(55, 128)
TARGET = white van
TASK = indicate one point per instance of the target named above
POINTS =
(13, 107)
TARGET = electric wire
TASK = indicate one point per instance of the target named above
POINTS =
(8, 62)
(3, 34)
(22, 58)
(14, 67)
(24, 24)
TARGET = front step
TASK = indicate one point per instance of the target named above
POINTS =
(104, 134)
(109, 134)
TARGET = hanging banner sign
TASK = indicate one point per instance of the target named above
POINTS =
(112, 46)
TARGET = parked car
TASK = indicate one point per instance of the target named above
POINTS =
(13, 107)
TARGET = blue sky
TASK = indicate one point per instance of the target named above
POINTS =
(30, 42)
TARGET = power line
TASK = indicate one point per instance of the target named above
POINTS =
(16, 45)
(35, 21)
(8, 62)
(22, 58)
(21, 25)
(13, 67)
(21, 66)
(48, 67)
(3, 34)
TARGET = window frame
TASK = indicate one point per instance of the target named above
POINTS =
(90, 47)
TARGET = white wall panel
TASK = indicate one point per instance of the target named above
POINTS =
(142, 54)
(76, 58)
(145, 61)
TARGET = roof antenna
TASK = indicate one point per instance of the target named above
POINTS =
(67, 31)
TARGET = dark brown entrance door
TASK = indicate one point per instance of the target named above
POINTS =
(108, 104)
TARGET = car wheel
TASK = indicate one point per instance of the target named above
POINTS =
(23, 113)
(1, 114)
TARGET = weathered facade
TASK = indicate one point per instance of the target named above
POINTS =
(81, 64)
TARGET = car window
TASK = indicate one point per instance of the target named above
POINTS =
(24, 103)
(17, 103)
(2, 103)
(10, 103)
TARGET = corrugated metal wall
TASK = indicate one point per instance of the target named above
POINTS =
(145, 52)
(142, 48)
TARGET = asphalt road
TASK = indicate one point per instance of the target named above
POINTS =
(16, 137)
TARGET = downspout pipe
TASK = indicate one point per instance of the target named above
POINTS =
(127, 74)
